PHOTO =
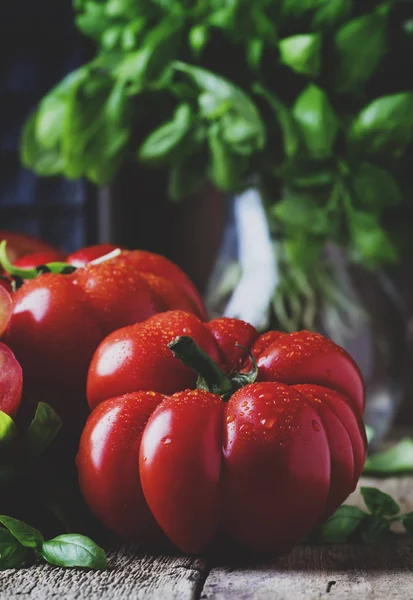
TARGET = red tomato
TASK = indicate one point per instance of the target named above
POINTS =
(82, 257)
(30, 261)
(20, 244)
(58, 320)
(265, 466)
(11, 381)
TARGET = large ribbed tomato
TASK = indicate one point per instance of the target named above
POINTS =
(263, 461)
(58, 320)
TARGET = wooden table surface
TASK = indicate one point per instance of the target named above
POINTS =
(381, 571)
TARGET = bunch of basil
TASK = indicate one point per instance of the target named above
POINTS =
(310, 99)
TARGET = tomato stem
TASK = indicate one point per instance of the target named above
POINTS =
(53, 267)
(211, 378)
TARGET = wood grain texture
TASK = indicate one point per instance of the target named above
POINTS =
(132, 576)
(376, 572)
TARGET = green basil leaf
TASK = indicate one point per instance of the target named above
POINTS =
(93, 21)
(131, 33)
(163, 143)
(74, 550)
(40, 433)
(370, 433)
(407, 521)
(12, 553)
(302, 53)
(379, 503)
(397, 459)
(226, 170)
(385, 125)
(198, 38)
(375, 529)
(41, 160)
(317, 121)
(331, 13)
(353, 67)
(371, 245)
(145, 65)
(7, 429)
(341, 525)
(25, 534)
(376, 188)
(239, 134)
(254, 52)
(111, 37)
(223, 93)
(288, 126)
(300, 212)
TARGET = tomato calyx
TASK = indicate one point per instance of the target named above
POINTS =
(19, 274)
(210, 377)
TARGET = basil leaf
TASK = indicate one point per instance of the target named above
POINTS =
(254, 52)
(198, 38)
(407, 521)
(41, 160)
(317, 121)
(375, 529)
(289, 128)
(25, 534)
(238, 133)
(341, 525)
(300, 212)
(385, 125)
(331, 13)
(353, 67)
(370, 433)
(145, 65)
(371, 245)
(164, 143)
(40, 433)
(74, 550)
(376, 188)
(302, 53)
(226, 170)
(223, 95)
(379, 503)
(397, 459)
(12, 553)
(7, 429)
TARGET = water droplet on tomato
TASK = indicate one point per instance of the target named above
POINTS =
(316, 426)
(230, 418)
(166, 440)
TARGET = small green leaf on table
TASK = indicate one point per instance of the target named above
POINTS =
(341, 525)
(25, 534)
(379, 503)
(12, 553)
(74, 550)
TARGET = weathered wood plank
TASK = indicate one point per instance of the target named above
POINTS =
(132, 575)
(340, 572)
(349, 572)
(343, 572)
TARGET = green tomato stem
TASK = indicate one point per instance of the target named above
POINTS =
(210, 378)
(191, 355)
(53, 267)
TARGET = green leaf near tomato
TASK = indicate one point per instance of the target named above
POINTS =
(74, 550)
(302, 53)
(341, 525)
(26, 535)
(384, 126)
(360, 46)
(317, 121)
(379, 503)
(12, 553)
